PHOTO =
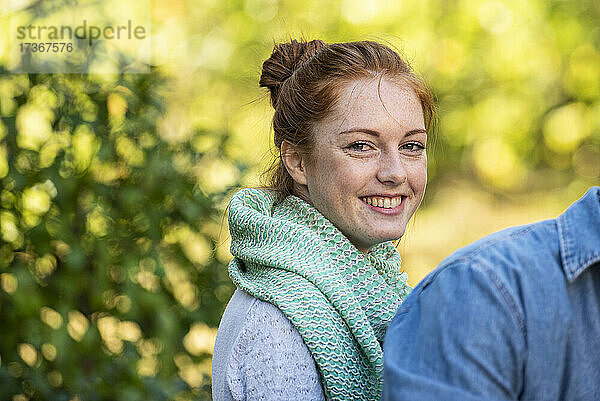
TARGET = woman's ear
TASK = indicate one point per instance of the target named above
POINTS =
(294, 162)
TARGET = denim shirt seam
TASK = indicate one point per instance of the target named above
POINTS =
(473, 260)
(563, 228)
(508, 299)
(518, 233)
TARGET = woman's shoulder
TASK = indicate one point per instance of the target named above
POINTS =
(249, 318)
(268, 357)
(265, 322)
(268, 337)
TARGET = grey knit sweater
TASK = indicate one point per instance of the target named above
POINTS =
(259, 355)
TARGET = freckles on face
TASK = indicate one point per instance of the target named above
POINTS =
(368, 169)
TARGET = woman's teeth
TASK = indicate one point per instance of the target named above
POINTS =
(382, 201)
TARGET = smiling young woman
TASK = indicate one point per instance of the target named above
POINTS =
(318, 278)
(367, 169)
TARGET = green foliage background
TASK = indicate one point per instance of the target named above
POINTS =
(113, 187)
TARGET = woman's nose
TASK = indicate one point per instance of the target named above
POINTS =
(392, 170)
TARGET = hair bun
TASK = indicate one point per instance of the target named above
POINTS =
(285, 59)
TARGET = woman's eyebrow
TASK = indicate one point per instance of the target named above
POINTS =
(416, 131)
(365, 130)
(376, 133)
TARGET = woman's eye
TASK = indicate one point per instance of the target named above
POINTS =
(413, 147)
(359, 146)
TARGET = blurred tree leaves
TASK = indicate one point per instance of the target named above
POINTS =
(107, 259)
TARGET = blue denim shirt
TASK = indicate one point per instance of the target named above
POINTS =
(513, 316)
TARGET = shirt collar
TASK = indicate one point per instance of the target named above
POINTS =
(579, 234)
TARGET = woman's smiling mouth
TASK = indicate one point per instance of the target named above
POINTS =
(384, 204)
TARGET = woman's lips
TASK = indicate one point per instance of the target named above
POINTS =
(384, 204)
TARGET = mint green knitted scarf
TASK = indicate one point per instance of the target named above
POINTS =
(339, 299)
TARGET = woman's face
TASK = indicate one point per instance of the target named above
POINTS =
(368, 170)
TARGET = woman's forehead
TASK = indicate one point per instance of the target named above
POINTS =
(375, 102)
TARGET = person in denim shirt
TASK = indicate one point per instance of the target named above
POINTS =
(513, 316)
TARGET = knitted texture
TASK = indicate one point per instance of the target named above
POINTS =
(287, 370)
(339, 299)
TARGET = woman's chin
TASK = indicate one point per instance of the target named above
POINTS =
(393, 234)
(377, 239)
